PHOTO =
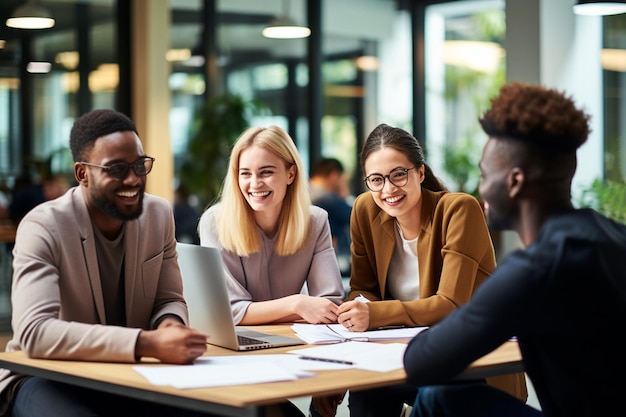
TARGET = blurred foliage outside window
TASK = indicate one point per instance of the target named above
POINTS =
(468, 85)
(216, 127)
(607, 197)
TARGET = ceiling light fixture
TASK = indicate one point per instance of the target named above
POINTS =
(613, 59)
(367, 63)
(599, 8)
(69, 59)
(485, 57)
(30, 16)
(38, 67)
(283, 27)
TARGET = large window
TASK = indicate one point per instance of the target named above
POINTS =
(366, 73)
(49, 77)
(614, 65)
(465, 66)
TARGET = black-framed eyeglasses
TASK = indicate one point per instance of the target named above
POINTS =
(398, 177)
(119, 171)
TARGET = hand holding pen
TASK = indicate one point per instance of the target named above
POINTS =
(354, 315)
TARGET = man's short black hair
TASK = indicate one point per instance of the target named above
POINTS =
(327, 166)
(94, 124)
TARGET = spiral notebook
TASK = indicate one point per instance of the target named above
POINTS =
(204, 289)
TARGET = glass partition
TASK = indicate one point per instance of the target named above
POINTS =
(465, 67)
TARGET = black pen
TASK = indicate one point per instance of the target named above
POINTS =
(311, 358)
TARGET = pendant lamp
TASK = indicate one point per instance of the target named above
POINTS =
(599, 8)
(30, 16)
(284, 27)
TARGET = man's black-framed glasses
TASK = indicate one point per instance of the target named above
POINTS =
(119, 171)
(398, 177)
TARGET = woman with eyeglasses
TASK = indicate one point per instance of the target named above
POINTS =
(418, 252)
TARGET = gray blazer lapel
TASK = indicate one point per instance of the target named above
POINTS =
(89, 251)
(132, 267)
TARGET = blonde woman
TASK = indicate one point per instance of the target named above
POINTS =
(277, 247)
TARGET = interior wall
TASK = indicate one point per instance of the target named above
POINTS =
(151, 93)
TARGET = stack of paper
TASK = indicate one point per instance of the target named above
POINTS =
(320, 334)
(216, 371)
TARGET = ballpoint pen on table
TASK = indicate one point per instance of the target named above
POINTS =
(312, 358)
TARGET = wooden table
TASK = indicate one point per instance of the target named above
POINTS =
(241, 400)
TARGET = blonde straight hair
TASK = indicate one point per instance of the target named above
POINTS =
(236, 229)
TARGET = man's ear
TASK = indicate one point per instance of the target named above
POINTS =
(80, 173)
(516, 181)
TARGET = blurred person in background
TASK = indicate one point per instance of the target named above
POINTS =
(185, 216)
(329, 190)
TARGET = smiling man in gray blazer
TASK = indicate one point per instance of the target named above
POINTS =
(96, 277)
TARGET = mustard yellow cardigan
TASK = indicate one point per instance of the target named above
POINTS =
(454, 249)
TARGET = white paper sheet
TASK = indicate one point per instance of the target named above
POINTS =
(209, 375)
(337, 333)
(213, 371)
(379, 357)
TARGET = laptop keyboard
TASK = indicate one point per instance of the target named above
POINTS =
(247, 341)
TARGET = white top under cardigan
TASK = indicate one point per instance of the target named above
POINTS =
(403, 269)
(266, 276)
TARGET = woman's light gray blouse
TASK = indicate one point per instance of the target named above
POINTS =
(266, 276)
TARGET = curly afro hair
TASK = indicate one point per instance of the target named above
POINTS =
(94, 124)
(541, 117)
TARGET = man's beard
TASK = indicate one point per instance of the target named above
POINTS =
(108, 207)
(502, 218)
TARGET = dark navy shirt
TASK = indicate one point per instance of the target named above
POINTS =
(564, 297)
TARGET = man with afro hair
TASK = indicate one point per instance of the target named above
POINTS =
(563, 295)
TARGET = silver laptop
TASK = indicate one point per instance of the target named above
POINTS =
(204, 289)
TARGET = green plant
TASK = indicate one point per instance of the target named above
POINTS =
(216, 126)
(468, 91)
(607, 197)
(460, 161)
